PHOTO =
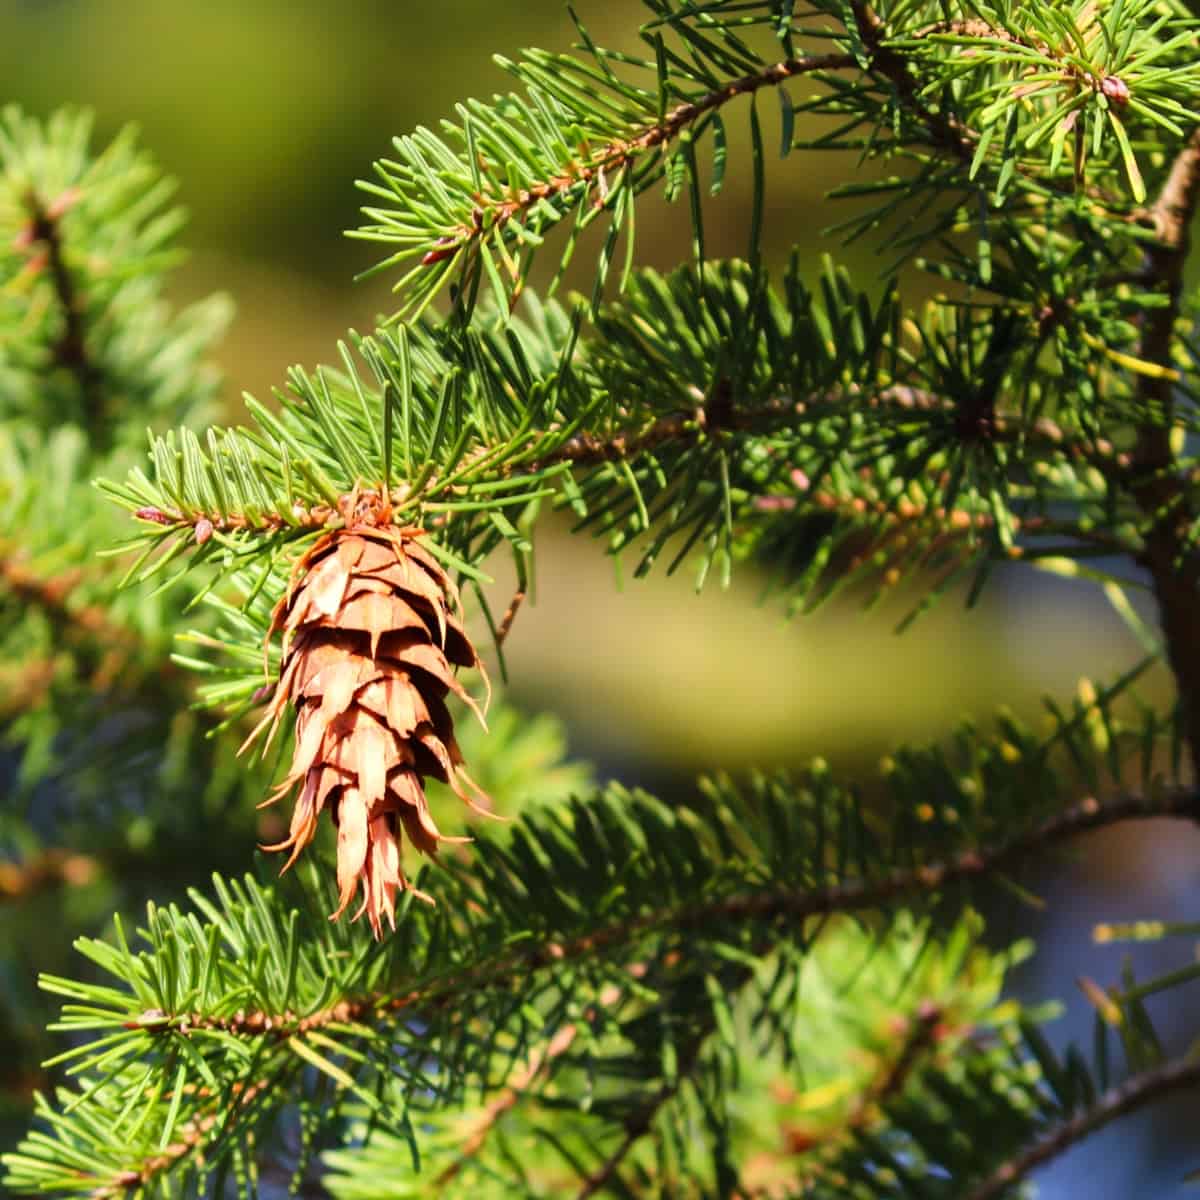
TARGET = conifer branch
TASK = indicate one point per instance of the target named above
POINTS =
(713, 415)
(70, 348)
(639, 1122)
(106, 646)
(492, 214)
(954, 526)
(946, 130)
(509, 968)
(636, 1127)
(1131, 1096)
(49, 594)
(917, 1035)
(190, 1140)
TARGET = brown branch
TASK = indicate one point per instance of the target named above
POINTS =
(539, 1064)
(50, 594)
(620, 154)
(190, 1139)
(1159, 491)
(946, 130)
(70, 348)
(512, 968)
(894, 520)
(510, 615)
(635, 1129)
(1134, 1094)
(712, 416)
(106, 647)
(318, 516)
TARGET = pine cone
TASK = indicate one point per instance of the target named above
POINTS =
(371, 636)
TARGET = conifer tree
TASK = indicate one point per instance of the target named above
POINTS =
(603, 993)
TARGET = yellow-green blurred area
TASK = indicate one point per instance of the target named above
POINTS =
(267, 113)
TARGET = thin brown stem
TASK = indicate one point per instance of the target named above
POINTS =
(539, 1064)
(1131, 1096)
(70, 348)
(641, 1120)
(510, 615)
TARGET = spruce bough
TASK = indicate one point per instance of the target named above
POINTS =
(610, 995)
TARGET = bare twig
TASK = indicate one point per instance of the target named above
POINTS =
(510, 615)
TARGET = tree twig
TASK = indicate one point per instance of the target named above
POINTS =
(1146, 1088)
(70, 348)
(619, 154)
(640, 1121)
(540, 1062)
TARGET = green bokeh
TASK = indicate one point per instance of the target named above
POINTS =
(267, 113)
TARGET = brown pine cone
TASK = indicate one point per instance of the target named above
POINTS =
(371, 637)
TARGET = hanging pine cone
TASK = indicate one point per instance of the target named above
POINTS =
(371, 637)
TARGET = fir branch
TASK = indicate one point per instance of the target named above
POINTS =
(70, 348)
(50, 595)
(106, 647)
(205, 522)
(913, 1039)
(508, 968)
(950, 526)
(491, 215)
(1131, 1096)
(190, 1140)
(26, 686)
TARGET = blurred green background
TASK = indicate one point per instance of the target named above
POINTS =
(267, 112)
